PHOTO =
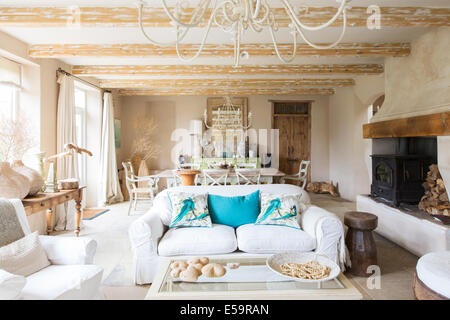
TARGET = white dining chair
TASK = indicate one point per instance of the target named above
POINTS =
(138, 193)
(300, 177)
(247, 176)
(214, 177)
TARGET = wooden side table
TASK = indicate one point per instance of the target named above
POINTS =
(188, 176)
(48, 201)
(360, 241)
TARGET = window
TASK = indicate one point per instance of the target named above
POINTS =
(9, 101)
(10, 84)
(80, 129)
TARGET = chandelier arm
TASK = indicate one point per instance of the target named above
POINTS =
(294, 18)
(344, 27)
(275, 44)
(154, 42)
(202, 44)
(266, 14)
(257, 8)
(190, 24)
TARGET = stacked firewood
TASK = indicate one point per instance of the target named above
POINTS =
(435, 201)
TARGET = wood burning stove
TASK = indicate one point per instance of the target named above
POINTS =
(399, 177)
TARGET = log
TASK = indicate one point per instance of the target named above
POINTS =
(323, 187)
(435, 199)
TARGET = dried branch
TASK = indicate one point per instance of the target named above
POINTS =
(16, 137)
(143, 145)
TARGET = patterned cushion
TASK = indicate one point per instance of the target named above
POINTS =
(24, 257)
(279, 209)
(189, 210)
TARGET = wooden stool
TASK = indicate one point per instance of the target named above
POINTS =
(360, 241)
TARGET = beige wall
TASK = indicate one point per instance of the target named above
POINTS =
(420, 83)
(39, 99)
(176, 112)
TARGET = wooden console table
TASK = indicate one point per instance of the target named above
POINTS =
(48, 201)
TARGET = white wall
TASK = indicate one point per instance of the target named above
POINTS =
(349, 157)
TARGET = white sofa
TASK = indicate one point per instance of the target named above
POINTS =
(70, 276)
(322, 232)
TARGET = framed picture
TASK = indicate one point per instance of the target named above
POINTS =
(117, 132)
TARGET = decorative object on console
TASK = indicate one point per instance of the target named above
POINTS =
(236, 17)
(16, 137)
(68, 184)
(35, 179)
(69, 150)
(189, 210)
(435, 201)
(13, 185)
(323, 187)
(279, 210)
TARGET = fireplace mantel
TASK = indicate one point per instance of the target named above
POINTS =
(437, 124)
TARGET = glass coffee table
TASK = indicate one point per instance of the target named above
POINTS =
(252, 280)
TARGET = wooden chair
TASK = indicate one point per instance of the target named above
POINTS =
(214, 177)
(247, 176)
(137, 193)
(301, 176)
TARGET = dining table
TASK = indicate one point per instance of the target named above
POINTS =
(268, 175)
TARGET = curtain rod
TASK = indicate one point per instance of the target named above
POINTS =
(82, 80)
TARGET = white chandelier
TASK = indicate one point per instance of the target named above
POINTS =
(227, 117)
(237, 16)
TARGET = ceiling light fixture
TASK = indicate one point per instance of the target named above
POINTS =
(237, 16)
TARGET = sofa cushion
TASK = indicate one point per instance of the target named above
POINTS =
(24, 256)
(253, 238)
(189, 210)
(162, 205)
(234, 211)
(433, 269)
(280, 210)
(76, 282)
(197, 241)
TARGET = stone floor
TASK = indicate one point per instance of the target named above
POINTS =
(114, 255)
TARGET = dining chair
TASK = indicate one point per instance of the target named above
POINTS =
(214, 177)
(299, 177)
(138, 193)
(174, 181)
(247, 176)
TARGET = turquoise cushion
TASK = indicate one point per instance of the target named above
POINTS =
(234, 211)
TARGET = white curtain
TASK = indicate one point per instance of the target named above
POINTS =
(109, 188)
(67, 167)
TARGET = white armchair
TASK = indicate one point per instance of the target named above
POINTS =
(70, 276)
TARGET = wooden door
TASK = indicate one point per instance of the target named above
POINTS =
(300, 142)
(294, 123)
(284, 125)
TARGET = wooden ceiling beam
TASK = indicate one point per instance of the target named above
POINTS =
(437, 124)
(224, 83)
(224, 92)
(148, 50)
(38, 17)
(209, 70)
